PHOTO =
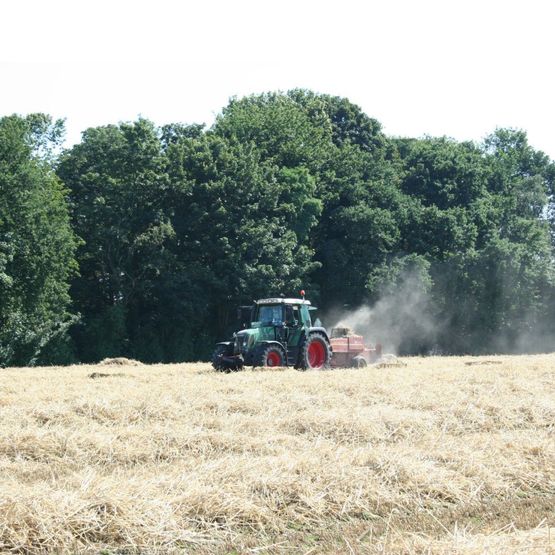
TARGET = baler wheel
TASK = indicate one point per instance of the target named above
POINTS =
(359, 362)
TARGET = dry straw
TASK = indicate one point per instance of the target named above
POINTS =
(438, 456)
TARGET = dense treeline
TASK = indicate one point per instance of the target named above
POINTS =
(140, 241)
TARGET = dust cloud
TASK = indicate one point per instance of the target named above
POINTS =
(403, 320)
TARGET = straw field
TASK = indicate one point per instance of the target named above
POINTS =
(442, 455)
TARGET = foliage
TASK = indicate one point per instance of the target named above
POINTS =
(174, 236)
(180, 224)
(37, 246)
(118, 187)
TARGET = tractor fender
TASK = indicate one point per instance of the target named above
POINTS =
(271, 342)
(319, 330)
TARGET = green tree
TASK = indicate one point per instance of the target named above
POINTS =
(478, 215)
(302, 189)
(348, 157)
(281, 129)
(243, 224)
(37, 245)
(118, 189)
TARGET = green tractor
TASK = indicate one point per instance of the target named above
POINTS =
(277, 332)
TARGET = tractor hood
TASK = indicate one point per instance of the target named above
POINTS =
(257, 332)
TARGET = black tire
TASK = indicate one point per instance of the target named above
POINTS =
(269, 356)
(359, 362)
(217, 363)
(306, 355)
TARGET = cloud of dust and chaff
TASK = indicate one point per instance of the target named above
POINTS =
(402, 319)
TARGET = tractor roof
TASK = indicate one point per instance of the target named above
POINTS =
(281, 300)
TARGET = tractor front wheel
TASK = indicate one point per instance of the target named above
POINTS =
(316, 352)
(269, 356)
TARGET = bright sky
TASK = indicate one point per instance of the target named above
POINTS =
(439, 67)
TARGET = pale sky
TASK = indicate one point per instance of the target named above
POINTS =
(459, 68)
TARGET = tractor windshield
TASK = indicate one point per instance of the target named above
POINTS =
(270, 314)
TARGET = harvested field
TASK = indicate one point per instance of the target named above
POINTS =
(444, 455)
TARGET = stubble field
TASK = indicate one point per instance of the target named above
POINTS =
(443, 455)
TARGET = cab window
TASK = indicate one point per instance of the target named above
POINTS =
(305, 316)
(270, 314)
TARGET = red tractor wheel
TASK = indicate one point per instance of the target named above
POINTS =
(270, 356)
(316, 352)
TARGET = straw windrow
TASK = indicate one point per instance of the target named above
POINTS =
(438, 456)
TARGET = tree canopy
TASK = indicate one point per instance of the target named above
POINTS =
(140, 240)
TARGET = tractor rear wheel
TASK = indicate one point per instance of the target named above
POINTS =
(269, 356)
(315, 352)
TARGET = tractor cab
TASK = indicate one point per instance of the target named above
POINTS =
(280, 312)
